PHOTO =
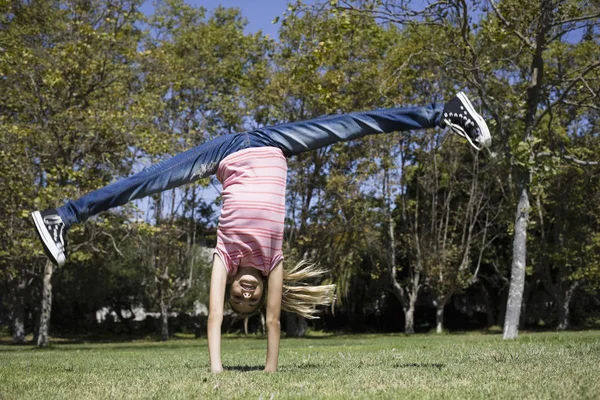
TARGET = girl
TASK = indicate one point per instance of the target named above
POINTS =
(252, 168)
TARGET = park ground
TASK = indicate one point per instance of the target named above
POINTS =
(452, 366)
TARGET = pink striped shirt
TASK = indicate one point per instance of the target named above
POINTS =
(250, 231)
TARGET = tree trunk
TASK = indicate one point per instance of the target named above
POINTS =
(564, 322)
(409, 318)
(295, 325)
(164, 319)
(408, 300)
(534, 96)
(18, 317)
(43, 338)
(18, 325)
(517, 279)
(439, 317)
(528, 292)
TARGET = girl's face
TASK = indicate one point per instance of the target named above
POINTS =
(246, 291)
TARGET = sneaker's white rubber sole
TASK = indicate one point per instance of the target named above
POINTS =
(483, 128)
(58, 255)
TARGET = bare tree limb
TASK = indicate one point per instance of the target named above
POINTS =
(576, 19)
(586, 105)
(114, 243)
(567, 90)
(568, 158)
(570, 29)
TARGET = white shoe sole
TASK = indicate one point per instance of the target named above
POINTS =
(58, 255)
(483, 128)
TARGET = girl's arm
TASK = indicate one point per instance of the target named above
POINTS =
(218, 281)
(273, 313)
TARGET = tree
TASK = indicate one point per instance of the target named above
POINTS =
(327, 63)
(457, 217)
(16, 270)
(68, 92)
(204, 70)
(507, 51)
(566, 229)
(542, 35)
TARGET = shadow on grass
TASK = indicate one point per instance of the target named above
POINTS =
(244, 368)
(438, 366)
(282, 368)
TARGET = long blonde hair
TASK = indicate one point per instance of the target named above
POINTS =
(301, 297)
(298, 295)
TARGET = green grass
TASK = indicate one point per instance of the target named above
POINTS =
(537, 365)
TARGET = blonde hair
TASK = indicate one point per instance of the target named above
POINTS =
(298, 296)
(301, 297)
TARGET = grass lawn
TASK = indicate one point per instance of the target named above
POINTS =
(537, 365)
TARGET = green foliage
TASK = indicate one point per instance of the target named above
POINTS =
(329, 61)
(207, 69)
(67, 110)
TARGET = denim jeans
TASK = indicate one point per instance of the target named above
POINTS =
(203, 160)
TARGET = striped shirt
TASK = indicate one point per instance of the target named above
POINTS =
(250, 231)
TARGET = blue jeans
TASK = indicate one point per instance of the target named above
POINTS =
(203, 160)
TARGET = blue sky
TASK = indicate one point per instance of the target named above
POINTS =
(260, 13)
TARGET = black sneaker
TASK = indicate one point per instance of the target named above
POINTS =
(460, 116)
(53, 234)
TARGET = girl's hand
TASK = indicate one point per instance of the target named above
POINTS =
(273, 314)
(215, 314)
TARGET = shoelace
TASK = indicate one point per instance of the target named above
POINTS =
(460, 132)
(55, 227)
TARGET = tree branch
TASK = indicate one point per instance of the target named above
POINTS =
(576, 19)
(398, 14)
(586, 105)
(567, 90)
(114, 243)
(568, 158)
(525, 40)
(568, 30)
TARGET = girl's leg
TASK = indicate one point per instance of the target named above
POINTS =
(458, 114)
(298, 137)
(196, 163)
(293, 138)
(52, 225)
